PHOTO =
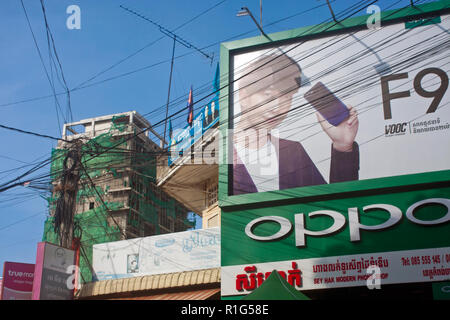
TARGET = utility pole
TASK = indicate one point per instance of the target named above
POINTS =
(260, 13)
(168, 93)
(68, 188)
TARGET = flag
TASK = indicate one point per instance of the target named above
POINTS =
(216, 83)
(170, 129)
(190, 105)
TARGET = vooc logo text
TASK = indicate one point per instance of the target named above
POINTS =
(339, 221)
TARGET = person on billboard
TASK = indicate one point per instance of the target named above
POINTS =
(264, 162)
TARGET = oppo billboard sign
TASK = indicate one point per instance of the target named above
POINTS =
(355, 167)
(339, 221)
(335, 242)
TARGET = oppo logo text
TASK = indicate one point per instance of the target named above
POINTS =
(339, 221)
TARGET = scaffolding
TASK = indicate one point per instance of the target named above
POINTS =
(117, 196)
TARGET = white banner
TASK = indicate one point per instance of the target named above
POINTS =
(372, 270)
(167, 253)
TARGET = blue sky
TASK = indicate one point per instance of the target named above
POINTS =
(109, 34)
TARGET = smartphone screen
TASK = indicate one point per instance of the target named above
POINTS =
(327, 104)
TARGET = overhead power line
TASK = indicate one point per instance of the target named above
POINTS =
(111, 149)
(33, 133)
(176, 38)
(84, 84)
(53, 52)
(57, 105)
(325, 159)
(170, 34)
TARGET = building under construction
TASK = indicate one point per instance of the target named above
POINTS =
(103, 174)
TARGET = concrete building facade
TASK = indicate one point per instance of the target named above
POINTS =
(117, 196)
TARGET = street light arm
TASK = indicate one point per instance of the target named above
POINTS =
(246, 12)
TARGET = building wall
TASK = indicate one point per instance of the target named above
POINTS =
(211, 215)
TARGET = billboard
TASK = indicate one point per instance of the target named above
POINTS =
(338, 169)
(184, 139)
(340, 243)
(167, 253)
(17, 282)
(355, 106)
(53, 276)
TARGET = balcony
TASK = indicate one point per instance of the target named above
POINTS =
(190, 177)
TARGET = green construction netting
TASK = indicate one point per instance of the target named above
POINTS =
(93, 228)
(105, 156)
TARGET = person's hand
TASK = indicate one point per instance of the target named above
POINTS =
(344, 134)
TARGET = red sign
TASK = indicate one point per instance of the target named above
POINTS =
(251, 280)
(17, 281)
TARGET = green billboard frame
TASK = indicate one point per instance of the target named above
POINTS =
(400, 183)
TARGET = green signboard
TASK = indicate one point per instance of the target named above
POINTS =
(441, 290)
(401, 237)
(304, 218)
(334, 167)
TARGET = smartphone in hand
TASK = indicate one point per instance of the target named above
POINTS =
(327, 104)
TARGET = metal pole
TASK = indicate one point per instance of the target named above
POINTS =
(168, 93)
(260, 13)
(331, 10)
(257, 24)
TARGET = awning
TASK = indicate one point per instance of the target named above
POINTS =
(187, 295)
(275, 288)
(144, 285)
